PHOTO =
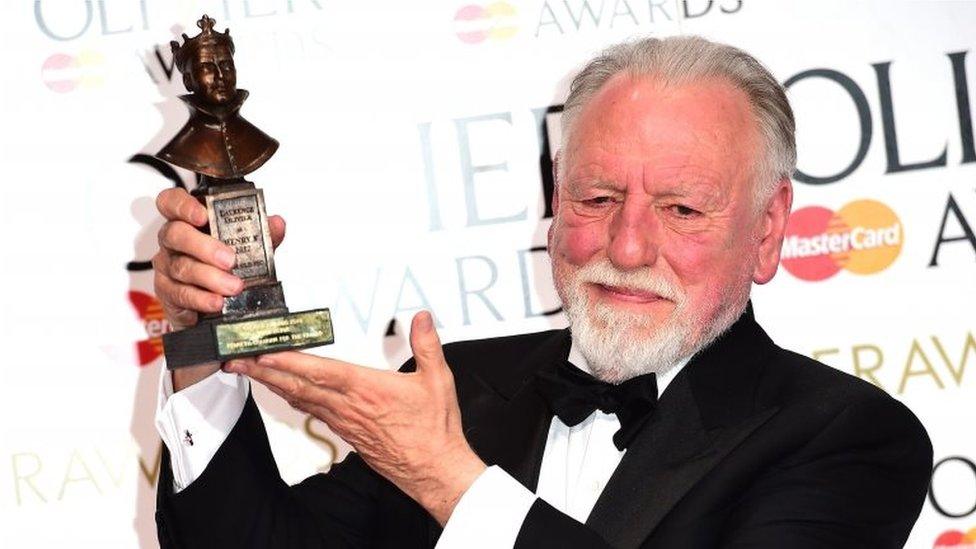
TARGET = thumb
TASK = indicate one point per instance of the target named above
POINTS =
(425, 343)
(277, 225)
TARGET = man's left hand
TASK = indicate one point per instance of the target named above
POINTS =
(406, 426)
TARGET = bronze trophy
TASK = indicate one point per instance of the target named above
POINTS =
(222, 147)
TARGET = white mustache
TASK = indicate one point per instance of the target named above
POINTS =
(644, 280)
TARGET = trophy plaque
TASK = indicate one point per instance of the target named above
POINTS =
(221, 147)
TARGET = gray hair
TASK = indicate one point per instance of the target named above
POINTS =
(679, 59)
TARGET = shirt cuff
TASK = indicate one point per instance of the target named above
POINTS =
(194, 422)
(489, 514)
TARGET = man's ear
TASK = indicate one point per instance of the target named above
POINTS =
(556, 160)
(555, 197)
(772, 227)
(187, 83)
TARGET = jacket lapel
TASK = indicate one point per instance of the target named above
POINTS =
(512, 425)
(706, 411)
(513, 436)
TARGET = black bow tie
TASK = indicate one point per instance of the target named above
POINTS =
(573, 395)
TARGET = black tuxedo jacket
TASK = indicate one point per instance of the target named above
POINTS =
(751, 446)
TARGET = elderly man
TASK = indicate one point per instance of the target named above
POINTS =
(672, 198)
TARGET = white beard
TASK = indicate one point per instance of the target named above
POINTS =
(615, 343)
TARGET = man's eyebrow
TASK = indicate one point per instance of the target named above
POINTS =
(593, 183)
(604, 183)
(706, 196)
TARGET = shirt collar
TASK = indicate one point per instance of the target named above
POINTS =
(664, 379)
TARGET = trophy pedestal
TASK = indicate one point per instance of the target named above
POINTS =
(221, 339)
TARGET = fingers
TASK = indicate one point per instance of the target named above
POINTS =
(192, 266)
(178, 236)
(426, 344)
(178, 205)
(277, 225)
(333, 374)
(238, 365)
(287, 382)
(282, 384)
(183, 281)
(294, 388)
(185, 296)
(321, 412)
(323, 403)
(183, 268)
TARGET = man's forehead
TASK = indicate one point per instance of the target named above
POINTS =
(696, 131)
(647, 106)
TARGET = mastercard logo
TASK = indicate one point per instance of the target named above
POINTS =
(475, 24)
(150, 311)
(63, 73)
(954, 539)
(864, 237)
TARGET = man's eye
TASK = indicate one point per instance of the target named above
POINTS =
(684, 211)
(598, 201)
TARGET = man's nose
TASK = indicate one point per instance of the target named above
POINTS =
(635, 233)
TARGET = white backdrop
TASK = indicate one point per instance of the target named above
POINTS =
(409, 173)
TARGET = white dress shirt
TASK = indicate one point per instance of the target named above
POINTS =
(576, 465)
(194, 422)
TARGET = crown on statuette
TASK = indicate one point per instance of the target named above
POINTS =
(207, 38)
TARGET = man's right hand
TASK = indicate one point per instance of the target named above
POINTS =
(192, 269)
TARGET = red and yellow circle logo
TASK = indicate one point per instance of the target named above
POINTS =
(863, 237)
(63, 73)
(954, 539)
(495, 21)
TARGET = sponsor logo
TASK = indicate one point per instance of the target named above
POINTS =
(475, 24)
(150, 311)
(864, 237)
(954, 539)
(63, 73)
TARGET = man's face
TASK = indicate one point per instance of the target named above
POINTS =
(213, 75)
(656, 239)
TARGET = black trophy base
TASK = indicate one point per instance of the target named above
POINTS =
(219, 340)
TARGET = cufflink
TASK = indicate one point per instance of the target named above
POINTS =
(188, 438)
